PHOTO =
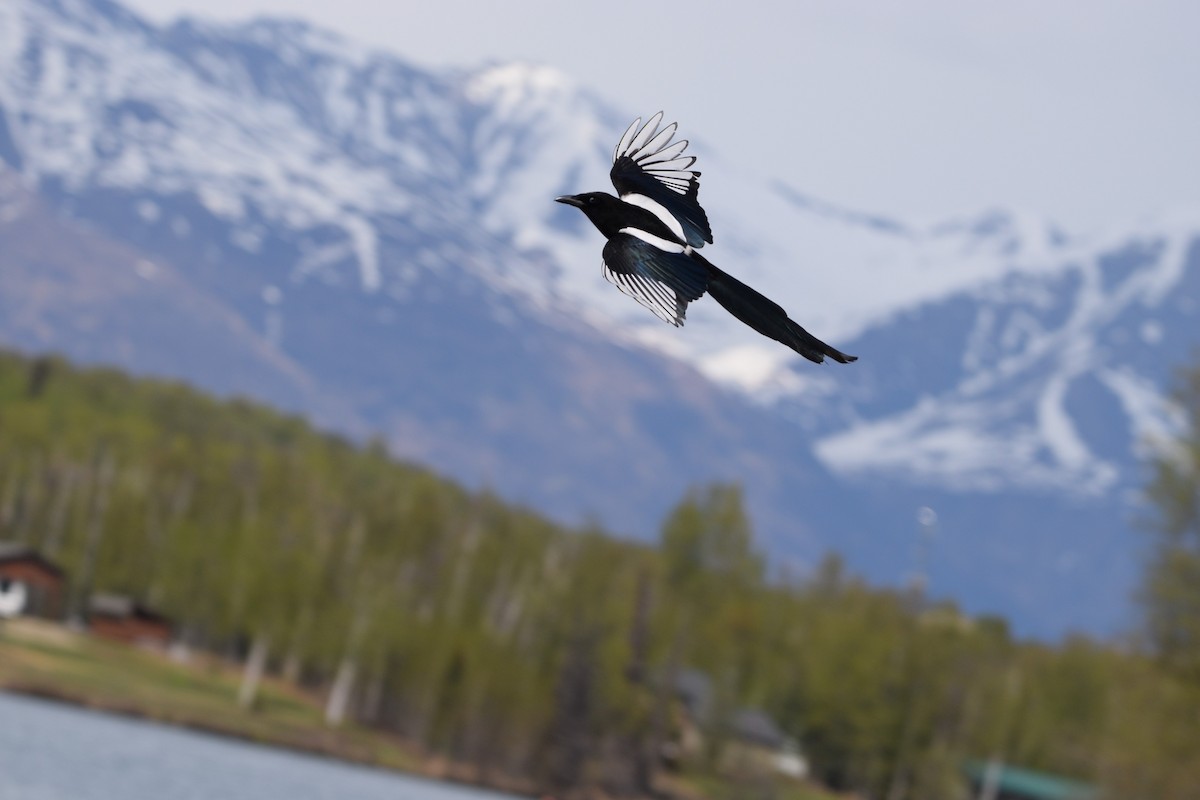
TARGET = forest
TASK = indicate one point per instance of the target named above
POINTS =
(501, 638)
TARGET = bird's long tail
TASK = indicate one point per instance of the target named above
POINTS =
(766, 316)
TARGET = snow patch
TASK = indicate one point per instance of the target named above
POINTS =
(1155, 421)
(365, 243)
(960, 446)
(1056, 428)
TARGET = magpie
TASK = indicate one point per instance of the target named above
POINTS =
(655, 229)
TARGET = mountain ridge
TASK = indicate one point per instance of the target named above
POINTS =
(389, 232)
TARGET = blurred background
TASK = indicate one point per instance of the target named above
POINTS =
(319, 425)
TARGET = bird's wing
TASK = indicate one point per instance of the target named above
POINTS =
(662, 280)
(650, 171)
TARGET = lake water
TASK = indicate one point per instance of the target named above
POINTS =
(50, 751)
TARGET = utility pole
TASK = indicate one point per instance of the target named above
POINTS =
(927, 520)
(902, 772)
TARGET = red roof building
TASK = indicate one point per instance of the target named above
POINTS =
(29, 583)
(123, 619)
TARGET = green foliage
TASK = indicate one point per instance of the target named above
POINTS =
(1171, 590)
(490, 634)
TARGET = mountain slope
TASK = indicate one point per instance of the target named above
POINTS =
(68, 287)
(397, 308)
(377, 244)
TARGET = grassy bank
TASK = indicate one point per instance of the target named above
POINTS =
(52, 661)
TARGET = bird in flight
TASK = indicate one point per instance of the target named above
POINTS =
(655, 229)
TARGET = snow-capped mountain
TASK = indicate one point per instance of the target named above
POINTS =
(384, 237)
(1055, 378)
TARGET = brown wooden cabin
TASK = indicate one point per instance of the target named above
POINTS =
(123, 619)
(44, 581)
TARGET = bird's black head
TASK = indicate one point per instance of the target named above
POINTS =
(605, 211)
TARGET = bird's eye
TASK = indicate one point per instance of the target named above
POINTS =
(591, 199)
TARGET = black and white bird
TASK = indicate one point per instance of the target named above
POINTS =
(655, 229)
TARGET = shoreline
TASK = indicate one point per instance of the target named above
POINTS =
(332, 751)
(49, 661)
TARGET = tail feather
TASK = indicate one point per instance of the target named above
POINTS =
(766, 316)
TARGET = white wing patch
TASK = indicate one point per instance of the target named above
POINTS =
(656, 208)
(660, 243)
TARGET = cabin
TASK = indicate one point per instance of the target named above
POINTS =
(123, 619)
(30, 584)
(756, 745)
(998, 781)
(753, 742)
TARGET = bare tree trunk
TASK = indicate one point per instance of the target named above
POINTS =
(372, 701)
(990, 785)
(15, 512)
(339, 695)
(252, 673)
(343, 682)
(30, 499)
(64, 481)
(8, 502)
(666, 692)
(104, 472)
(569, 735)
(292, 662)
(163, 529)
(643, 740)
(291, 666)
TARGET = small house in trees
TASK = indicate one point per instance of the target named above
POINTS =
(999, 781)
(756, 745)
(30, 584)
(123, 619)
(751, 741)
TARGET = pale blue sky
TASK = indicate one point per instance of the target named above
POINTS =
(1086, 111)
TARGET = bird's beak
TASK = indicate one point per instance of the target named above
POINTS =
(570, 199)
